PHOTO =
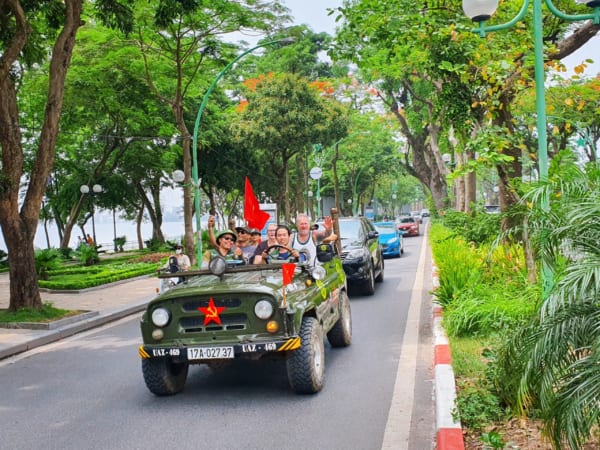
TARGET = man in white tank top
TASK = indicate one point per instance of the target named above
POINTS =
(306, 238)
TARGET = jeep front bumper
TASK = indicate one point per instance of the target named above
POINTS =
(204, 353)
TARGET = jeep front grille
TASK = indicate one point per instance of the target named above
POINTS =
(192, 305)
(228, 322)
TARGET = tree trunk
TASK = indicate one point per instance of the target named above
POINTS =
(286, 195)
(425, 165)
(24, 290)
(470, 184)
(19, 226)
(459, 182)
(154, 213)
(187, 186)
(336, 181)
(138, 223)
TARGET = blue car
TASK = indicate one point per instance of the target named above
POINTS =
(390, 239)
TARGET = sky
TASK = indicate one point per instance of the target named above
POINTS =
(314, 14)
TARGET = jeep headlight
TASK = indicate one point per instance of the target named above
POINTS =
(160, 317)
(318, 273)
(263, 309)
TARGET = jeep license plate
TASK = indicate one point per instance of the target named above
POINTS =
(210, 353)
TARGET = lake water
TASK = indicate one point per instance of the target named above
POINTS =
(105, 233)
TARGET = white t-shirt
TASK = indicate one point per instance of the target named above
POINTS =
(308, 246)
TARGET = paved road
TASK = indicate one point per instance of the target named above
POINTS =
(87, 391)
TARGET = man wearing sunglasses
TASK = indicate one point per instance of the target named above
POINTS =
(226, 248)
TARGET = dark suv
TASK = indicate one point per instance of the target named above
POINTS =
(362, 257)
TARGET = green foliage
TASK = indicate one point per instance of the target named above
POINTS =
(45, 314)
(87, 254)
(478, 406)
(459, 266)
(492, 440)
(66, 252)
(488, 309)
(85, 277)
(467, 361)
(45, 261)
(3, 258)
(155, 245)
(478, 227)
(551, 365)
(120, 242)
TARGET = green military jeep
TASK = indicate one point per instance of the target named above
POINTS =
(250, 311)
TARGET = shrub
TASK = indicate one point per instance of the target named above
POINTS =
(87, 254)
(154, 245)
(477, 227)
(459, 265)
(485, 310)
(478, 406)
(119, 243)
(81, 278)
(46, 260)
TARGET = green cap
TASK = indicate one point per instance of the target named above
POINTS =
(223, 233)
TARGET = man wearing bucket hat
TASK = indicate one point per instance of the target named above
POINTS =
(226, 248)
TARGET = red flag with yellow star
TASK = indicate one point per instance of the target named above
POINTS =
(211, 312)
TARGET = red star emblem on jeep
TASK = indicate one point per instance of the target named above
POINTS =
(211, 312)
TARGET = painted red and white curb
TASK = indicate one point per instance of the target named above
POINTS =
(448, 430)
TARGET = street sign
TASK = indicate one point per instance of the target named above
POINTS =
(316, 173)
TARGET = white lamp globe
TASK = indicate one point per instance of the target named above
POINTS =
(178, 176)
(479, 10)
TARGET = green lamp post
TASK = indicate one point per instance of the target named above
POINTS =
(480, 11)
(195, 180)
(355, 200)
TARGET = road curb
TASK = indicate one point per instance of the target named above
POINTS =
(47, 337)
(448, 430)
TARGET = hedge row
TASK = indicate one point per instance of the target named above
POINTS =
(91, 279)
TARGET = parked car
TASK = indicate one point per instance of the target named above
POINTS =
(362, 257)
(230, 312)
(409, 226)
(390, 239)
(417, 216)
(492, 209)
(425, 212)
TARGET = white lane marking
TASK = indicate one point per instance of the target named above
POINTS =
(397, 429)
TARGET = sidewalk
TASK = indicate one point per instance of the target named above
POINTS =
(104, 303)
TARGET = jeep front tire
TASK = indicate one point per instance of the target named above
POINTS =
(306, 365)
(163, 376)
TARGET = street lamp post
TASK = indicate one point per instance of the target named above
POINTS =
(480, 11)
(85, 190)
(354, 198)
(196, 181)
